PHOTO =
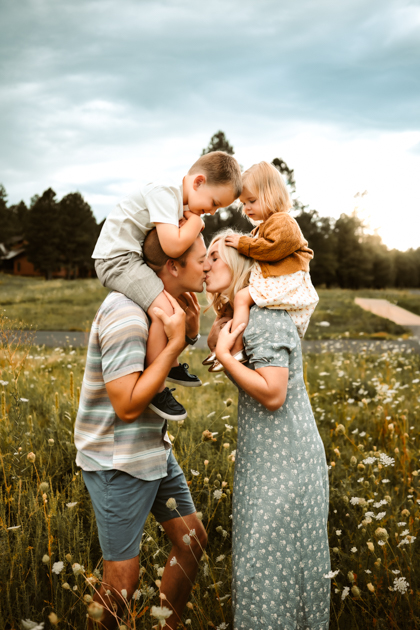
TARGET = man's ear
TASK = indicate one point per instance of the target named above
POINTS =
(172, 267)
(199, 180)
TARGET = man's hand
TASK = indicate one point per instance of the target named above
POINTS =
(232, 240)
(174, 325)
(215, 330)
(192, 314)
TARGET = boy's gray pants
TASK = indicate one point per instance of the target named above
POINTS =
(129, 274)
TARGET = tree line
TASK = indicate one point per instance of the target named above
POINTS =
(63, 233)
(346, 255)
(58, 233)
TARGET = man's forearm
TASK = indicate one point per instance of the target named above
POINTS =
(149, 382)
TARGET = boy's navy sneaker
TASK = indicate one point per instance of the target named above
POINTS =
(181, 376)
(166, 406)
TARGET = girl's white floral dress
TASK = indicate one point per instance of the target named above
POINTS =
(280, 496)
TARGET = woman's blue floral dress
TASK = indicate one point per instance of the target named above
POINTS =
(280, 496)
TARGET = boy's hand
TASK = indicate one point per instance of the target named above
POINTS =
(190, 216)
(232, 240)
(174, 325)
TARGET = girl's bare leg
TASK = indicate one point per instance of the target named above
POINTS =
(241, 305)
(157, 340)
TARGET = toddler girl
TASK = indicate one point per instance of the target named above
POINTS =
(280, 275)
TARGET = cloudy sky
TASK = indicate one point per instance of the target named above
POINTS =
(99, 95)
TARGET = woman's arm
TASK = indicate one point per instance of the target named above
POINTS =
(267, 385)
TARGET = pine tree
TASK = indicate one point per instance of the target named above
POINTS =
(218, 142)
(78, 231)
(44, 234)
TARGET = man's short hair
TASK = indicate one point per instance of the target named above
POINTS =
(220, 169)
(155, 257)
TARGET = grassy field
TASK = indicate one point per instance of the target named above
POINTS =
(71, 305)
(367, 410)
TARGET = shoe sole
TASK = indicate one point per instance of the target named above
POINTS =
(167, 416)
(184, 383)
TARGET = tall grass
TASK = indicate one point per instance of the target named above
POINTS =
(366, 408)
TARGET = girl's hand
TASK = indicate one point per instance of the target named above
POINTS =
(232, 240)
(226, 341)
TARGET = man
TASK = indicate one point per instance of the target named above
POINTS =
(123, 448)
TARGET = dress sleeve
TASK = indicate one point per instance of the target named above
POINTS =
(269, 338)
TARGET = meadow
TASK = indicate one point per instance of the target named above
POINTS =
(71, 305)
(366, 408)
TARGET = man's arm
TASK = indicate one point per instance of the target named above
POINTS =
(130, 395)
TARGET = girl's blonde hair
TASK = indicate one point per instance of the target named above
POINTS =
(240, 267)
(265, 182)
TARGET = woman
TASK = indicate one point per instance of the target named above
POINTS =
(280, 497)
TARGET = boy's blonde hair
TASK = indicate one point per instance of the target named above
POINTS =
(220, 169)
(265, 182)
(240, 267)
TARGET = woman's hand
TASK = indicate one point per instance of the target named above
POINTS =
(215, 331)
(192, 314)
(226, 341)
(232, 240)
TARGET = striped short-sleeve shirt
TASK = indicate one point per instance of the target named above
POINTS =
(117, 347)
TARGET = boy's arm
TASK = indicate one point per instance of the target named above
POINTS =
(282, 237)
(130, 395)
(176, 240)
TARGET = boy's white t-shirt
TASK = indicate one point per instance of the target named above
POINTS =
(132, 218)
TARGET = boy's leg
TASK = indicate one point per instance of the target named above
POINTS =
(241, 305)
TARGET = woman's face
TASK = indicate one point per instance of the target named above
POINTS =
(219, 276)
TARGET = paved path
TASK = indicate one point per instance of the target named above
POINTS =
(395, 313)
(56, 338)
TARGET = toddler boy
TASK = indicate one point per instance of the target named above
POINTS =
(214, 181)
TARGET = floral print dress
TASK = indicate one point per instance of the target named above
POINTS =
(280, 496)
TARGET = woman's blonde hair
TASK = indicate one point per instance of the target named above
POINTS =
(265, 182)
(240, 267)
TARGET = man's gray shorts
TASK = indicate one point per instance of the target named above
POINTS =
(122, 504)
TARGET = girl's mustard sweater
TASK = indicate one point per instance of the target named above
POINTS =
(280, 246)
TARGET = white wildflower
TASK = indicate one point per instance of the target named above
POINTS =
(331, 574)
(346, 591)
(385, 460)
(380, 515)
(369, 460)
(217, 493)
(71, 505)
(171, 504)
(14, 527)
(353, 549)
(401, 585)
(338, 532)
(27, 624)
(186, 539)
(161, 612)
(194, 472)
(220, 558)
(385, 480)
(57, 567)
(136, 595)
(173, 561)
